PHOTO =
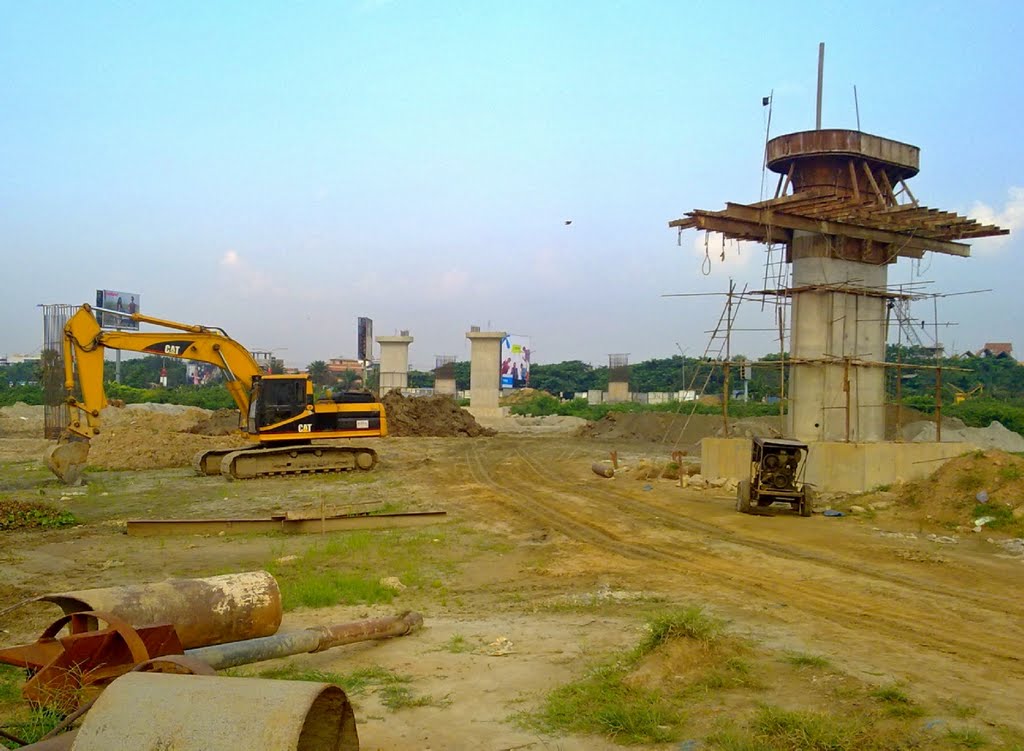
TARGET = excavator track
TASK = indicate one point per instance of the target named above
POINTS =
(247, 464)
(208, 462)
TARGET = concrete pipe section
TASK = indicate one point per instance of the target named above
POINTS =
(207, 713)
(213, 610)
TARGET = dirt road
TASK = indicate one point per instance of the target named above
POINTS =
(533, 534)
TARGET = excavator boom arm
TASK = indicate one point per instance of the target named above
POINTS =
(85, 343)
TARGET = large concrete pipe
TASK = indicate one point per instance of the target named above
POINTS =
(213, 610)
(208, 713)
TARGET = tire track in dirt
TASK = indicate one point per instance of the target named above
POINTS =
(842, 609)
(571, 527)
(1002, 605)
(798, 595)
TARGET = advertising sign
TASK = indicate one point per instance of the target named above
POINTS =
(364, 339)
(121, 302)
(515, 361)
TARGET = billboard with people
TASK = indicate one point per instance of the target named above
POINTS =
(113, 303)
(515, 361)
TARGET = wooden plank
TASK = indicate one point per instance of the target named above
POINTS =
(742, 230)
(750, 214)
(874, 185)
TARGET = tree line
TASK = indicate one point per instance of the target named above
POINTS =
(999, 378)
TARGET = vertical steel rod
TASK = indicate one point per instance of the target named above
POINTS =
(821, 74)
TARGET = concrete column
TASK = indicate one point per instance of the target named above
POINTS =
(394, 361)
(618, 391)
(836, 328)
(444, 386)
(484, 372)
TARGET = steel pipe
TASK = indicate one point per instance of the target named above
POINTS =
(213, 610)
(317, 639)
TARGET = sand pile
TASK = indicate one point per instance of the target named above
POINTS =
(156, 436)
(219, 422)
(953, 493)
(429, 416)
(21, 420)
(995, 436)
(520, 396)
(673, 428)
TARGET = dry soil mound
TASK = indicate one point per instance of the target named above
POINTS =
(156, 436)
(220, 422)
(951, 494)
(672, 428)
(429, 416)
(21, 420)
(522, 395)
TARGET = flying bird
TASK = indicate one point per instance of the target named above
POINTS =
(568, 222)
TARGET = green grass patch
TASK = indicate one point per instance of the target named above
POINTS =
(1011, 473)
(393, 689)
(968, 481)
(1002, 516)
(346, 568)
(326, 588)
(690, 623)
(802, 660)
(11, 681)
(966, 738)
(734, 672)
(33, 725)
(33, 515)
(895, 702)
(602, 703)
(809, 731)
(457, 644)
(608, 702)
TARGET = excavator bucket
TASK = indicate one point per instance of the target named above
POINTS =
(67, 459)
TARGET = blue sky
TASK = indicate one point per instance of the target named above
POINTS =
(280, 169)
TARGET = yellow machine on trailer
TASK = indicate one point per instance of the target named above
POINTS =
(278, 412)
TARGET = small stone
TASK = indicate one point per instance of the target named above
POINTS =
(858, 510)
(392, 582)
(880, 505)
(286, 559)
(717, 482)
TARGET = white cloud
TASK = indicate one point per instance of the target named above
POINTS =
(451, 282)
(1010, 217)
(731, 254)
(248, 280)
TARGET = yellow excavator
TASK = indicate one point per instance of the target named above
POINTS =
(278, 412)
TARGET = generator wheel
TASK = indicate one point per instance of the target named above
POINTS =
(743, 496)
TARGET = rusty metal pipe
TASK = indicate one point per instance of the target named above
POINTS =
(317, 639)
(206, 611)
(212, 713)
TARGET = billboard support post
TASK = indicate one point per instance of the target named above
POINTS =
(111, 303)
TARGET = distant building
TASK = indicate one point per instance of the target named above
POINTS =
(997, 349)
(17, 359)
(338, 365)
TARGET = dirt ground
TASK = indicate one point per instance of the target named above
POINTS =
(543, 567)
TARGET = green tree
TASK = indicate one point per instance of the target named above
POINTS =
(320, 373)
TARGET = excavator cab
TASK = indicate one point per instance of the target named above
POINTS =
(275, 399)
